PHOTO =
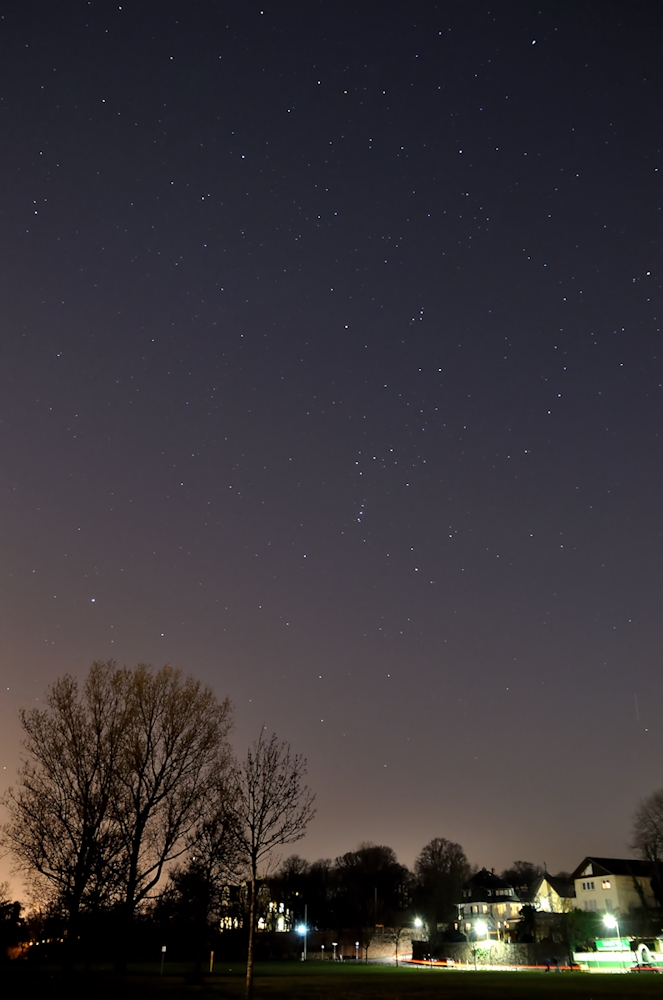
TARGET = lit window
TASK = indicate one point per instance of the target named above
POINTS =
(605, 884)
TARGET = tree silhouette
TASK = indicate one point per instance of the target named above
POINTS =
(270, 806)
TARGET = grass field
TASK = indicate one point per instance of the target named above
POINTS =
(317, 981)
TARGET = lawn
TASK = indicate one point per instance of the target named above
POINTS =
(318, 981)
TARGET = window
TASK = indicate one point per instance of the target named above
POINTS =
(605, 884)
(590, 904)
(608, 903)
(587, 886)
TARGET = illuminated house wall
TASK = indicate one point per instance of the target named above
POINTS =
(613, 885)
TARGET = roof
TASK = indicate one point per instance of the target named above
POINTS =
(614, 866)
(485, 882)
(564, 887)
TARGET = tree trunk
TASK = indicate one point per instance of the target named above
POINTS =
(128, 907)
(249, 954)
(68, 952)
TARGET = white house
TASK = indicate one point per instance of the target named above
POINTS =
(613, 885)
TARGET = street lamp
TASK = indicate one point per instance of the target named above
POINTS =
(303, 929)
(418, 923)
(334, 946)
(612, 923)
(481, 927)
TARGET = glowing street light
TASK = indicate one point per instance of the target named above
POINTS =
(303, 929)
(481, 927)
(418, 923)
(612, 923)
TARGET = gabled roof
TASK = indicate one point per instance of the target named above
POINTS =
(564, 887)
(486, 883)
(613, 866)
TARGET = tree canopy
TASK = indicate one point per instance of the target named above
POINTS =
(440, 870)
(114, 783)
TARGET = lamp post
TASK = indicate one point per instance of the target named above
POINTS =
(612, 922)
(334, 946)
(303, 929)
(417, 923)
(480, 927)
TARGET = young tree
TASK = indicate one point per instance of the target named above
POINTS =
(271, 806)
(395, 935)
(60, 829)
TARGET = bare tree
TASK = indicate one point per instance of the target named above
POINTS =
(115, 783)
(174, 750)
(395, 935)
(193, 899)
(271, 806)
(60, 828)
(648, 837)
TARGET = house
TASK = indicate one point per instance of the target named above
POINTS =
(489, 902)
(550, 894)
(271, 914)
(613, 885)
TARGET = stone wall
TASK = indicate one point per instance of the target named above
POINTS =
(500, 953)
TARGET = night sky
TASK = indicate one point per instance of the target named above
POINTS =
(331, 372)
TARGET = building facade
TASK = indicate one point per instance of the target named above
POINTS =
(489, 907)
(613, 885)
